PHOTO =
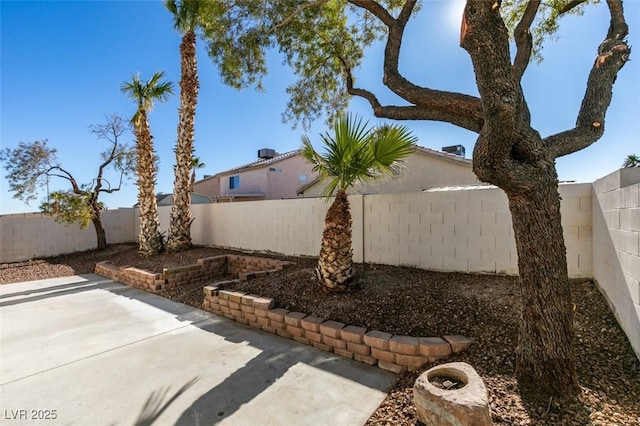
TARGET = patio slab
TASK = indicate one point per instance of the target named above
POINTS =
(98, 352)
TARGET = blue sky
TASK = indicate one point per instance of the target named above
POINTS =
(62, 64)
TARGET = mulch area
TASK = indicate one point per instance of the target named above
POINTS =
(402, 300)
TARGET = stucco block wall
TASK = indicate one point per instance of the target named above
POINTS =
(466, 230)
(292, 227)
(29, 235)
(616, 247)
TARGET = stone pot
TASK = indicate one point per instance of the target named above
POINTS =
(468, 405)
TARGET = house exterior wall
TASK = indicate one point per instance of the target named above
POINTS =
(285, 181)
(209, 186)
(253, 181)
(282, 182)
(418, 172)
(616, 247)
(34, 235)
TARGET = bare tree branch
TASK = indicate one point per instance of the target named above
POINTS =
(613, 53)
(618, 27)
(380, 12)
(523, 38)
(428, 104)
(572, 4)
(369, 96)
(508, 151)
(67, 176)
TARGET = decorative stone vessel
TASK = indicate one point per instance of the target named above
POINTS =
(466, 404)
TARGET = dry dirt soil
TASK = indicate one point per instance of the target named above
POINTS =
(404, 300)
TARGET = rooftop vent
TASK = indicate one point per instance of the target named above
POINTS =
(266, 153)
(454, 149)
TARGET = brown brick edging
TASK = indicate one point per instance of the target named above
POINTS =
(390, 352)
(203, 271)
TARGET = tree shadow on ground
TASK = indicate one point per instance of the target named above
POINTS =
(277, 356)
(156, 404)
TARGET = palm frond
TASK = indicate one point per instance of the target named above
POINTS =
(186, 14)
(632, 160)
(355, 152)
(146, 93)
(390, 145)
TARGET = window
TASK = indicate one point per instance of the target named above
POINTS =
(234, 182)
(302, 178)
(273, 169)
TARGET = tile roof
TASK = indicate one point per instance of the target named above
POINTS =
(460, 188)
(262, 162)
(442, 154)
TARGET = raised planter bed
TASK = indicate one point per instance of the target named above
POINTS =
(390, 352)
(204, 271)
(395, 353)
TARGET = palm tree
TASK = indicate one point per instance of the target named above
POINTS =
(185, 17)
(632, 160)
(144, 94)
(355, 153)
(195, 164)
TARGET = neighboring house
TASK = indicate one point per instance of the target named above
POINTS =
(424, 169)
(167, 199)
(273, 176)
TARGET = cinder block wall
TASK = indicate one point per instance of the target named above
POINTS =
(465, 230)
(292, 227)
(616, 247)
(29, 235)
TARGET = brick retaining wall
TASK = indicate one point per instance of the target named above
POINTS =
(390, 352)
(203, 271)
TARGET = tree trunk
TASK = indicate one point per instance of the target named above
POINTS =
(545, 359)
(150, 237)
(335, 263)
(179, 237)
(101, 235)
(510, 154)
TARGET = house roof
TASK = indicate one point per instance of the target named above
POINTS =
(167, 199)
(263, 162)
(419, 149)
(308, 185)
(255, 164)
(460, 187)
(479, 186)
(443, 155)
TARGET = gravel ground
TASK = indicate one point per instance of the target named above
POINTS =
(404, 300)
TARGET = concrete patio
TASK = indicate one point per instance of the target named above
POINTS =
(87, 350)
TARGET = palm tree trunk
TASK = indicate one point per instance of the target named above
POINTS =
(179, 237)
(335, 264)
(150, 237)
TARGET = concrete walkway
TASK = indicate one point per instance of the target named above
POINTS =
(91, 351)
